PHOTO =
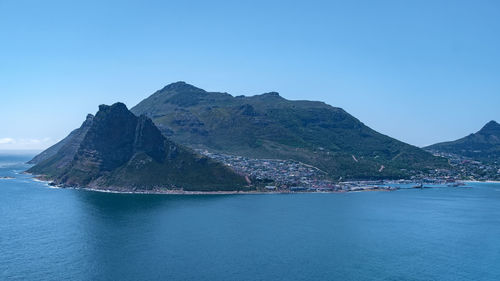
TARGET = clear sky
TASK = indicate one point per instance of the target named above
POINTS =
(419, 71)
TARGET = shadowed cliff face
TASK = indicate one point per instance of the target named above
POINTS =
(121, 151)
(117, 135)
(150, 140)
(483, 145)
(110, 141)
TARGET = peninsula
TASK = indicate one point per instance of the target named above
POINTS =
(118, 151)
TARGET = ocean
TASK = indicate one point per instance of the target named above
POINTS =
(447, 233)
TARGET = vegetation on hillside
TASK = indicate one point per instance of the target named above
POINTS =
(269, 126)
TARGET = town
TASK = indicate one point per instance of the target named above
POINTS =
(290, 175)
(294, 176)
(464, 168)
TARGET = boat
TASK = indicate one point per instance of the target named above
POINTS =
(418, 186)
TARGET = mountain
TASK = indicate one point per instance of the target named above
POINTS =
(116, 150)
(482, 146)
(270, 126)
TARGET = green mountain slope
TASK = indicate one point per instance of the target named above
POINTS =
(120, 151)
(482, 146)
(269, 126)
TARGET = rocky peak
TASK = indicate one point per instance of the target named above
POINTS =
(109, 141)
(116, 108)
(271, 94)
(116, 134)
(88, 121)
(491, 128)
(181, 87)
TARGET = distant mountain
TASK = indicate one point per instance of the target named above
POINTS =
(269, 126)
(483, 145)
(117, 150)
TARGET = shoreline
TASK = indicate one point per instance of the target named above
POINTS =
(49, 183)
(38, 178)
(488, 181)
(185, 192)
(177, 192)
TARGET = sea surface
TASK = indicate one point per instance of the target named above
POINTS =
(448, 233)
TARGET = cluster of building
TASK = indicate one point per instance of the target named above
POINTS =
(468, 169)
(294, 176)
(288, 175)
(281, 172)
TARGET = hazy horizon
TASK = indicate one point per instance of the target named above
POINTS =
(421, 72)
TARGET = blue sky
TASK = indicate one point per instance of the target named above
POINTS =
(419, 71)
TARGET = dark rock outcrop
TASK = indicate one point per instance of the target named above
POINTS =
(120, 151)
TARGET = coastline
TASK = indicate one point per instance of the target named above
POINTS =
(475, 181)
(175, 192)
(49, 183)
(183, 192)
(40, 178)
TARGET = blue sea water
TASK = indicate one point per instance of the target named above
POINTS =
(444, 233)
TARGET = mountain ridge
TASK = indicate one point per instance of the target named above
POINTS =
(270, 126)
(484, 145)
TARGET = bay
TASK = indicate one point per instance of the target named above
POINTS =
(447, 233)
